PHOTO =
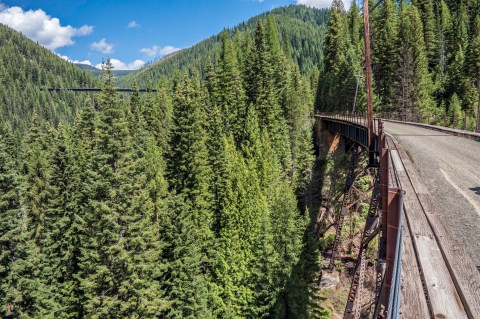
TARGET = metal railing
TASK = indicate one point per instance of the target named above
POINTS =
(440, 120)
(355, 127)
(395, 293)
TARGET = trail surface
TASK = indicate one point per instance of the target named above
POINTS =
(449, 167)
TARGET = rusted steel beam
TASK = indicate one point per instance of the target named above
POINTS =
(394, 211)
(347, 198)
(354, 305)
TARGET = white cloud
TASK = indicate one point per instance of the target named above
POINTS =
(40, 27)
(102, 46)
(158, 50)
(320, 4)
(120, 65)
(87, 62)
(133, 24)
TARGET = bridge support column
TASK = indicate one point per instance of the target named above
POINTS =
(327, 142)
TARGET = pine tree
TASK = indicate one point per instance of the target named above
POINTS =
(9, 213)
(385, 59)
(189, 175)
(414, 82)
(29, 290)
(337, 84)
(230, 92)
(165, 114)
(118, 267)
(455, 112)
(474, 62)
(260, 82)
(63, 228)
(444, 34)
(426, 8)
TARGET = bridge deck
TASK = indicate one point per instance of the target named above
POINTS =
(440, 213)
(414, 303)
(440, 174)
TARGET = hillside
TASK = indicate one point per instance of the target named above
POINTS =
(425, 62)
(26, 68)
(304, 27)
(193, 201)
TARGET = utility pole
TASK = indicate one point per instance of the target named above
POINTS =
(368, 77)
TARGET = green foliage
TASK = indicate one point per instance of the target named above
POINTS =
(185, 203)
(26, 69)
(341, 67)
(302, 26)
(423, 53)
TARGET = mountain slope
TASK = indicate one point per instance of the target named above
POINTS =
(25, 69)
(304, 28)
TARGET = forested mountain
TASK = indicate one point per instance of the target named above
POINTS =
(26, 69)
(425, 60)
(301, 28)
(188, 202)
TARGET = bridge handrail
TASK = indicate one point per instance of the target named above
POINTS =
(356, 118)
(447, 130)
(395, 289)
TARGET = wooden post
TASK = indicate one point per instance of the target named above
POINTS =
(368, 77)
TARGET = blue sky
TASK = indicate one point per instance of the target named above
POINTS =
(129, 32)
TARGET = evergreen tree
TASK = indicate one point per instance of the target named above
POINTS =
(455, 112)
(337, 84)
(230, 92)
(29, 291)
(385, 59)
(9, 213)
(414, 82)
(444, 34)
(120, 261)
(474, 61)
(189, 174)
(426, 8)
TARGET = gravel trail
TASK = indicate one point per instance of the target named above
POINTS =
(450, 167)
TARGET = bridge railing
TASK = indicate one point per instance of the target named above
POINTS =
(462, 122)
(357, 118)
(355, 126)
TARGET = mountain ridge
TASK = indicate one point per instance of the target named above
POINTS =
(304, 27)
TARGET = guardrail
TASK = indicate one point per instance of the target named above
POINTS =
(394, 266)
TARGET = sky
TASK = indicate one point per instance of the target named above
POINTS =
(128, 32)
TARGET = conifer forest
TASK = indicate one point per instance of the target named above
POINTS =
(196, 195)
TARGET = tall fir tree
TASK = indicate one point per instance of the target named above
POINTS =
(9, 215)
(191, 287)
(230, 91)
(385, 59)
(414, 81)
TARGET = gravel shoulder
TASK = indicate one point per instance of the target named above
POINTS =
(449, 166)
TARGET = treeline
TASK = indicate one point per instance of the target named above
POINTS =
(425, 60)
(26, 69)
(186, 203)
(300, 27)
